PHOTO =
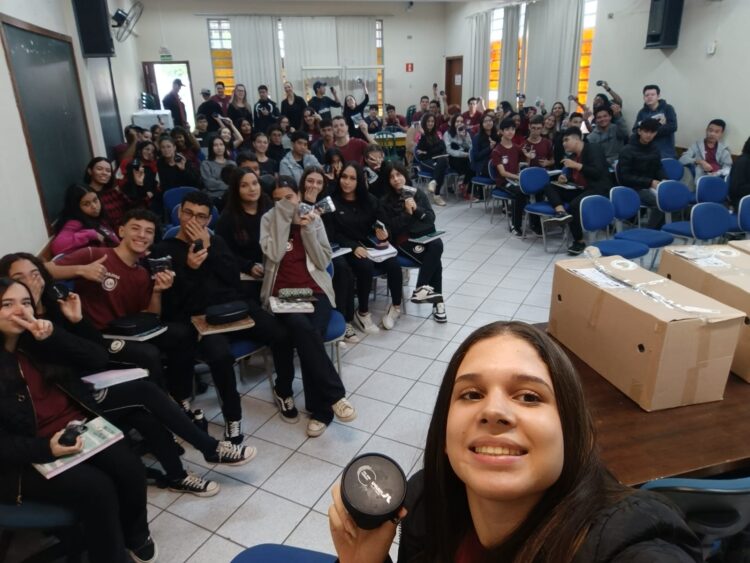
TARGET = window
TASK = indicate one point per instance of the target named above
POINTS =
(379, 61)
(280, 38)
(496, 41)
(587, 40)
(521, 53)
(220, 43)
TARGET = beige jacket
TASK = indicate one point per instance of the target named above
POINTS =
(274, 235)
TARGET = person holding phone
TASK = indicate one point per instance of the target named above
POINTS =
(174, 169)
(353, 111)
(359, 224)
(321, 103)
(138, 178)
(512, 472)
(297, 254)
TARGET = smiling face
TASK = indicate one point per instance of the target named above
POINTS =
(148, 152)
(288, 89)
(549, 122)
(249, 189)
(16, 302)
(309, 118)
(314, 181)
(137, 235)
(101, 172)
(260, 144)
(558, 109)
(240, 93)
(350, 102)
(504, 437)
(225, 134)
(340, 128)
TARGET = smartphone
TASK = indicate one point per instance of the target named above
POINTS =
(60, 291)
(434, 84)
(572, 98)
(378, 225)
(600, 82)
(198, 245)
(178, 158)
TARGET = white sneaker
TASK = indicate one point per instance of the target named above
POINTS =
(390, 317)
(344, 410)
(350, 335)
(425, 294)
(438, 313)
(315, 428)
(364, 323)
(431, 186)
(405, 276)
(438, 200)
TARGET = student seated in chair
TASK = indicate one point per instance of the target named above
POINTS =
(506, 160)
(710, 155)
(297, 254)
(206, 274)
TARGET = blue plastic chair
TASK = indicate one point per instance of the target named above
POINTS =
(274, 553)
(743, 214)
(714, 509)
(175, 216)
(673, 168)
(336, 328)
(671, 197)
(708, 221)
(711, 188)
(499, 196)
(483, 183)
(626, 205)
(532, 181)
(173, 196)
(597, 214)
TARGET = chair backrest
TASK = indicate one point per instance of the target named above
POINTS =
(175, 216)
(709, 220)
(708, 496)
(492, 171)
(672, 168)
(533, 179)
(625, 202)
(672, 195)
(743, 214)
(616, 171)
(711, 188)
(173, 196)
(171, 232)
(597, 213)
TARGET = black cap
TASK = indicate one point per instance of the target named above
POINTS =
(319, 84)
(650, 124)
(286, 182)
(205, 91)
(177, 81)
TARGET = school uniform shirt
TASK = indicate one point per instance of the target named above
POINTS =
(473, 122)
(125, 289)
(354, 150)
(223, 103)
(293, 270)
(542, 148)
(509, 157)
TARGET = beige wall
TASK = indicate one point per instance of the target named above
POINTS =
(699, 86)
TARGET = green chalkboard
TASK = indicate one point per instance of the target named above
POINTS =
(45, 79)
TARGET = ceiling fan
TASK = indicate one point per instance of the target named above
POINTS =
(125, 21)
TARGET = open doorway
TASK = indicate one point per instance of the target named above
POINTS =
(158, 78)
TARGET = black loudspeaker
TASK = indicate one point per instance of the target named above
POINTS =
(92, 17)
(664, 24)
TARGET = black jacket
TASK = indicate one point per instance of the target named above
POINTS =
(639, 165)
(401, 225)
(19, 444)
(641, 528)
(595, 169)
(739, 179)
(217, 281)
(209, 108)
(242, 236)
(173, 177)
(430, 147)
(351, 224)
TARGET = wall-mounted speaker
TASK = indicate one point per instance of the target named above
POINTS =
(664, 24)
(92, 18)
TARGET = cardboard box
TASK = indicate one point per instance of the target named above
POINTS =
(743, 245)
(660, 343)
(721, 272)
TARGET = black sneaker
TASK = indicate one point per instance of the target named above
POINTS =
(195, 485)
(286, 406)
(233, 432)
(438, 313)
(147, 553)
(576, 248)
(228, 453)
(516, 232)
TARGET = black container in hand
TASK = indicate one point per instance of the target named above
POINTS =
(373, 488)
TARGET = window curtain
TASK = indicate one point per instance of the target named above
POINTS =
(478, 64)
(310, 41)
(553, 49)
(509, 56)
(356, 48)
(255, 54)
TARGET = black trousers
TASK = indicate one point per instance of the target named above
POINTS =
(438, 167)
(147, 408)
(343, 287)
(322, 383)
(364, 269)
(520, 200)
(177, 343)
(215, 350)
(428, 256)
(108, 494)
(462, 166)
(557, 196)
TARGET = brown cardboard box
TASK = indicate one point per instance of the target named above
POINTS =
(743, 245)
(660, 343)
(721, 272)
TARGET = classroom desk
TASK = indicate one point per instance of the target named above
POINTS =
(693, 441)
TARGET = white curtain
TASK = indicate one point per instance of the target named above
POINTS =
(309, 41)
(553, 49)
(478, 64)
(356, 48)
(255, 54)
(509, 55)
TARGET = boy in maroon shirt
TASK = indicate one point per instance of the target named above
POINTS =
(352, 149)
(506, 159)
(538, 150)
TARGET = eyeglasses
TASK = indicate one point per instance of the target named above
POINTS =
(200, 216)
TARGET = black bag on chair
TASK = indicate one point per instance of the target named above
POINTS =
(131, 325)
(226, 312)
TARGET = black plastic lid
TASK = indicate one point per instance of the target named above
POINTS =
(373, 488)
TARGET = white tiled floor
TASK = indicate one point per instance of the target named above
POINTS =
(282, 496)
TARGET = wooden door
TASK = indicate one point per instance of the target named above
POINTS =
(454, 78)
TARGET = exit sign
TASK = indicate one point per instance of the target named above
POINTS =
(409, 67)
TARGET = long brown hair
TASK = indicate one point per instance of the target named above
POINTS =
(557, 525)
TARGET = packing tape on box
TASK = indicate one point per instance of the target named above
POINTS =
(643, 288)
(692, 375)
(712, 258)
